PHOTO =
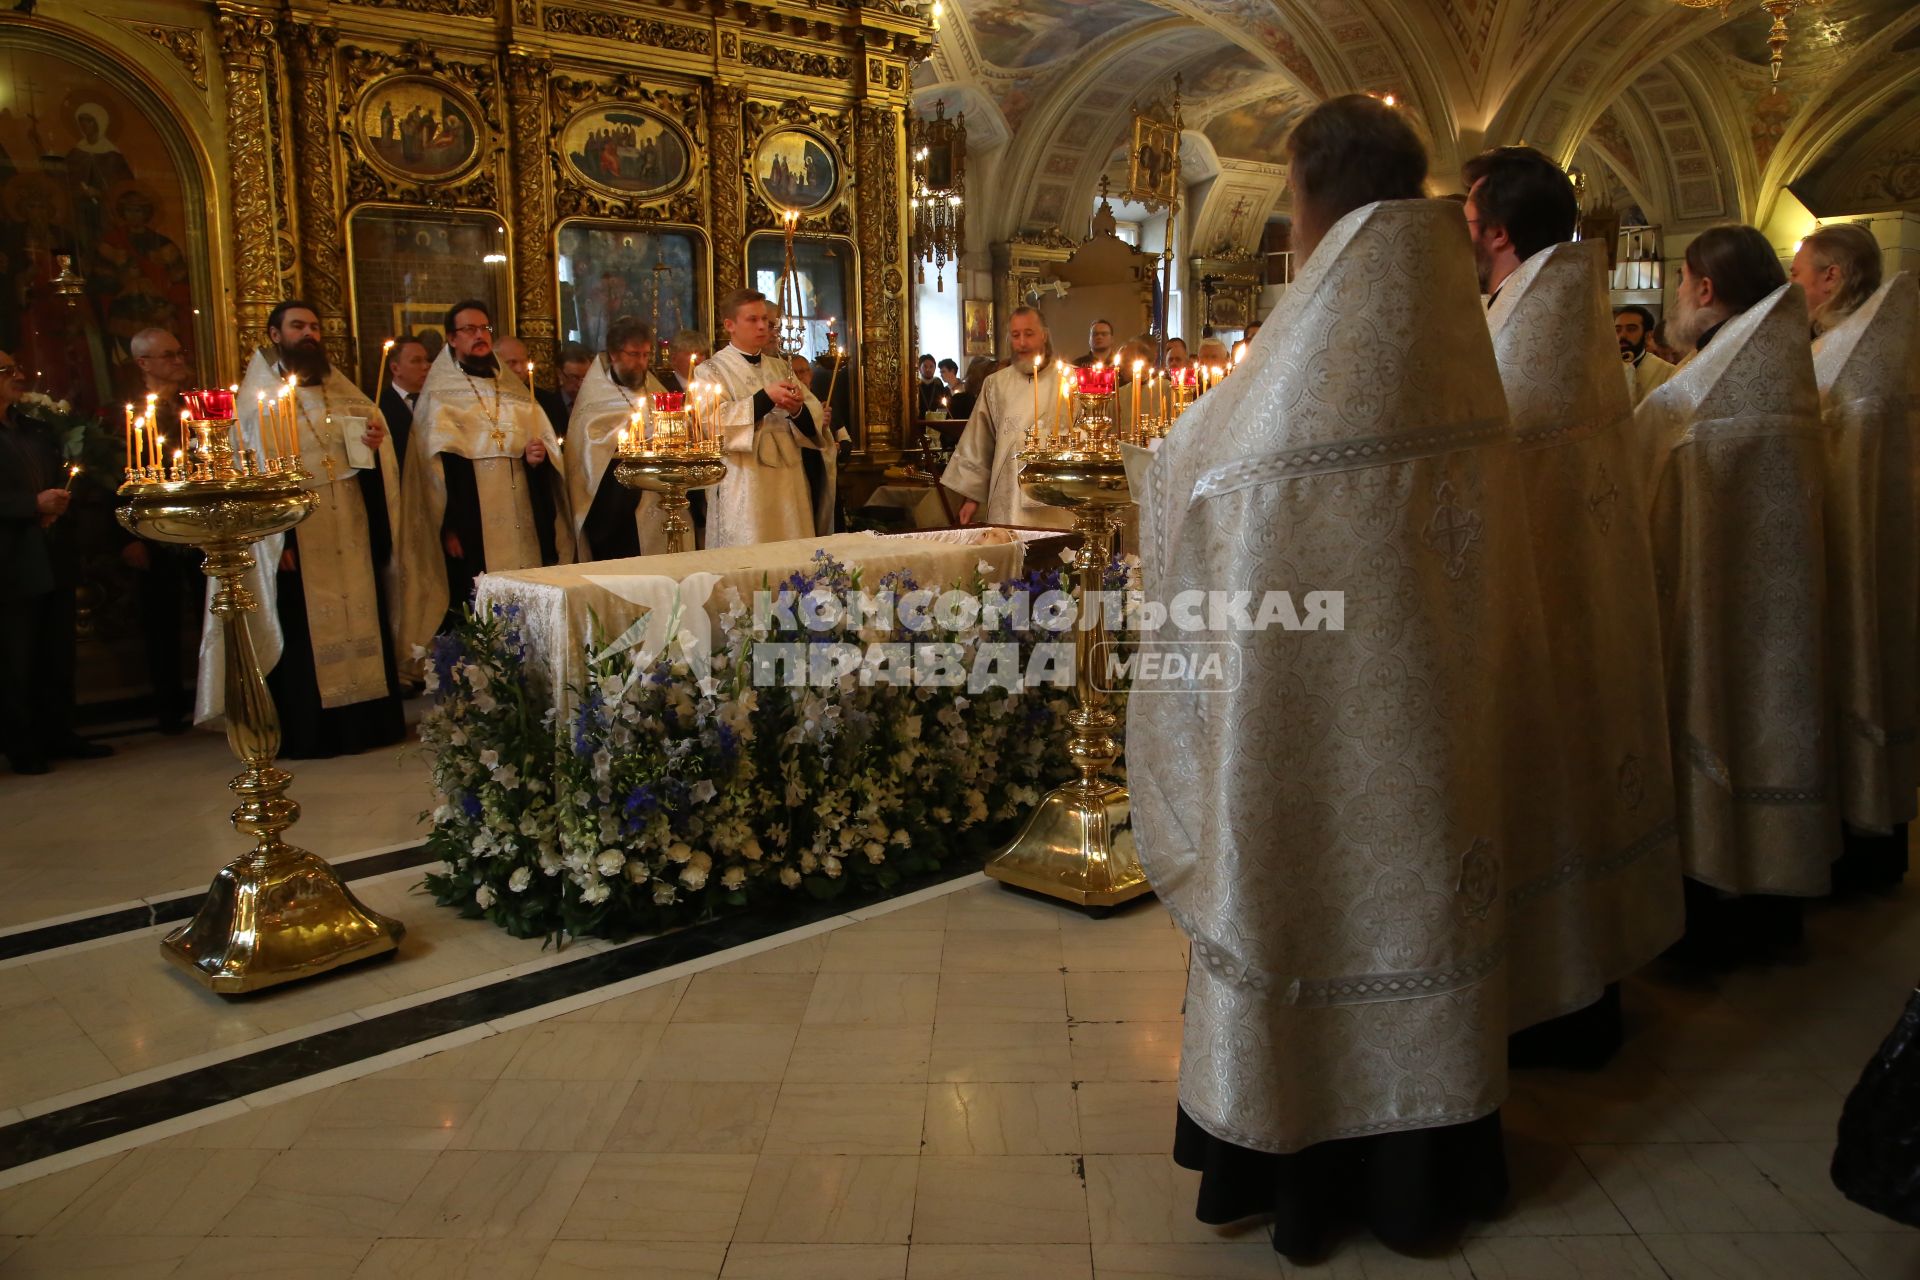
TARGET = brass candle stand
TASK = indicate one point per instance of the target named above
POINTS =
(276, 913)
(1078, 844)
(670, 461)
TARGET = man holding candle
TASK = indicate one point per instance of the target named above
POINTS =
(480, 444)
(611, 520)
(1027, 400)
(322, 629)
(780, 457)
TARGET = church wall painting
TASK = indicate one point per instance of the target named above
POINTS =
(92, 168)
(1257, 130)
(795, 169)
(419, 128)
(626, 151)
(1031, 33)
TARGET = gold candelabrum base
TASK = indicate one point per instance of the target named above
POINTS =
(1078, 844)
(276, 913)
(671, 473)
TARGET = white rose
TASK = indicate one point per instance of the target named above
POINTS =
(875, 851)
(830, 865)
(611, 862)
(550, 861)
(636, 871)
(595, 893)
(702, 791)
(734, 878)
(520, 879)
(693, 877)
(789, 877)
(679, 851)
(663, 894)
(751, 850)
(484, 896)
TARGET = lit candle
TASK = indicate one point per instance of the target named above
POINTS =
(73, 469)
(186, 437)
(129, 440)
(179, 466)
(1036, 393)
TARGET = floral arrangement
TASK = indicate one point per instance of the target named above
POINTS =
(666, 796)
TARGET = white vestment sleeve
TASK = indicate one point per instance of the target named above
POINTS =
(970, 471)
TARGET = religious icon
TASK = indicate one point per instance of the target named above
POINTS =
(1153, 168)
(419, 128)
(795, 169)
(611, 270)
(628, 151)
(979, 325)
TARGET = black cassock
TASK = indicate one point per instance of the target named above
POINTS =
(612, 533)
(309, 731)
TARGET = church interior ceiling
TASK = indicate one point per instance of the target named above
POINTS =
(1674, 104)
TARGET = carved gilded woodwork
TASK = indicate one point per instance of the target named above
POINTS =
(882, 280)
(628, 29)
(248, 63)
(799, 62)
(727, 184)
(182, 44)
(361, 71)
(452, 8)
(575, 196)
(323, 258)
(833, 127)
(527, 78)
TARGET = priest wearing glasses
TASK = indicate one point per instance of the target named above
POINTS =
(480, 443)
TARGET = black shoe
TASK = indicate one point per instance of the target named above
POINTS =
(80, 749)
(30, 764)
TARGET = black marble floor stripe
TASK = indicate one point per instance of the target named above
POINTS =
(105, 924)
(190, 1091)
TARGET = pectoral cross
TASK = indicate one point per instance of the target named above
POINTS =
(499, 434)
(326, 455)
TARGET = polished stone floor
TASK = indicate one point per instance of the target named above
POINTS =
(967, 1084)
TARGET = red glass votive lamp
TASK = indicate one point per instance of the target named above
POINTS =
(670, 402)
(210, 404)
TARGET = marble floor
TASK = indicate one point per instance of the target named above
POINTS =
(964, 1083)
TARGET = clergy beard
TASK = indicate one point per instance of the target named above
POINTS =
(1689, 321)
(480, 366)
(631, 379)
(1482, 265)
(307, 361)
(1632, 350)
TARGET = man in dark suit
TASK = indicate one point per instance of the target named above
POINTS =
(407, 373)
(573, 364)
(171, 588)
(39, 570)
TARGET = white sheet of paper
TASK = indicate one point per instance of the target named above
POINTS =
(352, 431)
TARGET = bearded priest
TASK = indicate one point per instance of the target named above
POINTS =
(1608, 900)
(780, 455)
(321, 631)
(985, 470)
(612, 521)
(1735, 459)
(1866, 360)
(1331, 828)
(480, 443)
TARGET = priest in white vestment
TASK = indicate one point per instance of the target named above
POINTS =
(1633, 330)
(1609, 900)
(611, 521)
(780, 453)
(321, 632)
(985, 468)
(1866, 360)
(1736, 476)
(1332, 830)
(480, 443)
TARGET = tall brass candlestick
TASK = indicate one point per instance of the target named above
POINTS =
(1078, 844)
(276, 913)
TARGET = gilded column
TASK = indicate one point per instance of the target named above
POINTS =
(725, 165)
(882, 278)
(247, 64)
(323, 256)
(527, 76)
